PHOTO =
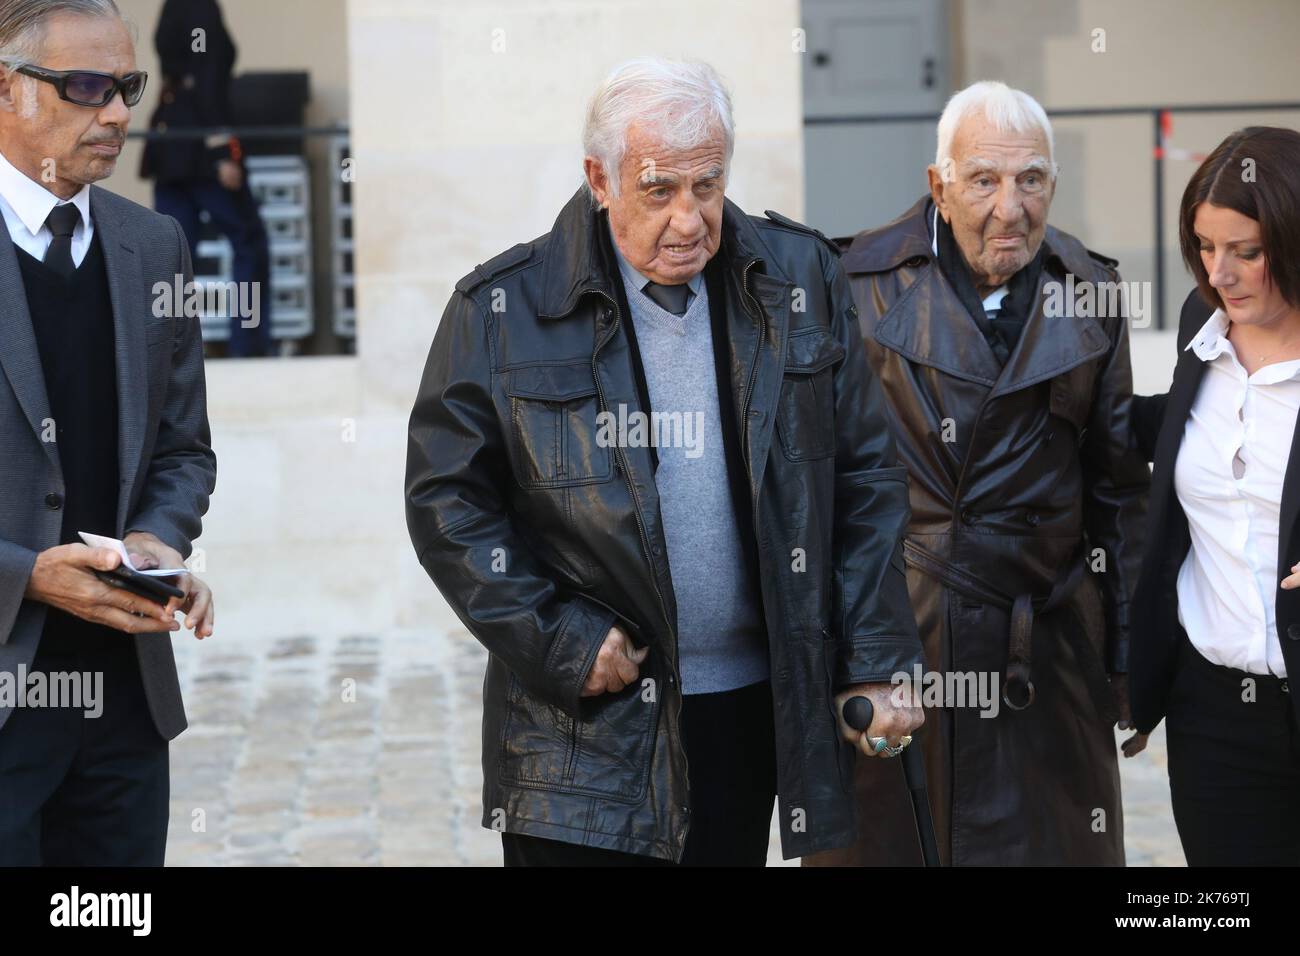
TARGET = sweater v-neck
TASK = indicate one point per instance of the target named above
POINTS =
(39, 270)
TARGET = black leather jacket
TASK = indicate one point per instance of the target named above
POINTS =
(541, 539)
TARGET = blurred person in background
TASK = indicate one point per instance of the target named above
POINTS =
(193, 175)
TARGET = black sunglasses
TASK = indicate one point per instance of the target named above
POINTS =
(88, 88)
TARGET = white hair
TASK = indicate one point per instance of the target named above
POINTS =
(684, 102)
(1010, 111)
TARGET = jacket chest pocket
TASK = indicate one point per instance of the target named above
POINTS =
(554, 428)
(805, 420)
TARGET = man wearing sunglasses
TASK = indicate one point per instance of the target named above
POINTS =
(104, 430)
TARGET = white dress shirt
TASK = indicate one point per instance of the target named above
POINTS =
(1228, 477)
(25, 204)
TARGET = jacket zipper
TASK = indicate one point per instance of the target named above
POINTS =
(571, 764)
(749, 395)
(753, 369)
(620, 457)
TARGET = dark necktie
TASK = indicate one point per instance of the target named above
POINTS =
(670, 298)
(62, 221)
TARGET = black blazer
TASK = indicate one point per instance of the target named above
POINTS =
(1158, 422)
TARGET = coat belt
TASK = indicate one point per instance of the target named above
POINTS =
(1018, 686)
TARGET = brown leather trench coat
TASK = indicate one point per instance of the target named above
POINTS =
(1028, 501)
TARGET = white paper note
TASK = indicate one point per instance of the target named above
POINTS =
(99, 541)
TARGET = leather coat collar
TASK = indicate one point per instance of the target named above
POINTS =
(928, 323)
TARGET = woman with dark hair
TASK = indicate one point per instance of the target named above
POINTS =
(1217, 612)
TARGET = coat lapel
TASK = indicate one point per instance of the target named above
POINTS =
(127, 297)
(754, 285)
(929, 325)
(1287, 603)
(1290, 507)
(19, 356)
(1049, 345)
(617, 380)
(1182, 394)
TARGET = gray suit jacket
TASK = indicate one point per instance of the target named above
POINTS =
(165, 463)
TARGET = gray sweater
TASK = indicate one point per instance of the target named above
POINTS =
(719, 630)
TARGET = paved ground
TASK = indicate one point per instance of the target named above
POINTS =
(365, 751)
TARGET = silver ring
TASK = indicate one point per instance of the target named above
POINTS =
(882, 747)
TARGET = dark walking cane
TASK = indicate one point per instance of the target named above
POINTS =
(857, 714)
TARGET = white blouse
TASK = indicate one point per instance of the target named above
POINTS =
(1228, 477)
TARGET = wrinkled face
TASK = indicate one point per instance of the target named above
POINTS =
(995, 193)
(58, 143)
(667, 217)
(1234, 259)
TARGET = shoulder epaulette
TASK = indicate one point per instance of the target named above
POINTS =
(1104, 260)
(788, 223)
(495, 266)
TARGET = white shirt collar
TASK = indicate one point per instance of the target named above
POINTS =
(992, 301)
(1211, 341)
(32, 202)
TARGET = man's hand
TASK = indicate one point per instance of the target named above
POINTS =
(230, 174)
(64, 578)
(1138, 742)
(147, 553)
(889, 721)
(617, 665)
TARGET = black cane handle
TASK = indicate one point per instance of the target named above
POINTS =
(858, 713)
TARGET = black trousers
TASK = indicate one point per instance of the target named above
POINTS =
(730, 745)
(1234, 765)
(85, 791)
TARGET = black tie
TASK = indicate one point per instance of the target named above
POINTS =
(670, 298)
(62, 221)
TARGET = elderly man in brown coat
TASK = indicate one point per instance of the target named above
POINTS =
(1002, 344)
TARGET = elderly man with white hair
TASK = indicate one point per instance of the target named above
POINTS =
(1006, 366)
(650, 470)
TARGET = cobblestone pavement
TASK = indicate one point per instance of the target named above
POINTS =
(364, 751)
